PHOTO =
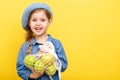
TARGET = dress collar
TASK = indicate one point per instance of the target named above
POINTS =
(35, 42)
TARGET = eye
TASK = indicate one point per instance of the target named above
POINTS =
(34, 20)
(43, 20)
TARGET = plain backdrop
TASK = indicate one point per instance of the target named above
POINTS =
(88, 29)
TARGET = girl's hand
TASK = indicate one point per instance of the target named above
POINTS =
(35, 75)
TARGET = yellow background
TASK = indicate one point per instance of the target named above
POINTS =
(88, 29)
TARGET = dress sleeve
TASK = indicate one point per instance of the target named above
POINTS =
(61, 55)
(22, 70)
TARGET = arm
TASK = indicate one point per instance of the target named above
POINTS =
(61, 55)
(22, 70)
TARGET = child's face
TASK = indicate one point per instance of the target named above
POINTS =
(39, 23)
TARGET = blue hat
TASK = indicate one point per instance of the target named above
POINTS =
(32, 7)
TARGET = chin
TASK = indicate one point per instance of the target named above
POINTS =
(37, 34)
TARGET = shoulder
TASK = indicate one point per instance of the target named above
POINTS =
(55, 41)
(25, 45)
(23, 49)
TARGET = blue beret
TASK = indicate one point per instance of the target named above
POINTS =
(32, 7)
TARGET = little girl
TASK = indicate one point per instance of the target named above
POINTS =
(35, 21)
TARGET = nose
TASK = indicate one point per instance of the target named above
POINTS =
(38, 23)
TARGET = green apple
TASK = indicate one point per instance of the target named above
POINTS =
(29, 61)
(50, 70)
(47, 58)
(39, 65)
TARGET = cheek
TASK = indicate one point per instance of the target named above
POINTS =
(30, 23)
(47, 24)
(31, 27)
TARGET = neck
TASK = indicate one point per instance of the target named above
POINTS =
(42, 38)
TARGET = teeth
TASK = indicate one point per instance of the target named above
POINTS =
(38, 28)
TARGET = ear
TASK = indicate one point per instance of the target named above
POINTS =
(50, 21)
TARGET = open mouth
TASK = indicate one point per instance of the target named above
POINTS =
(38, 28)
